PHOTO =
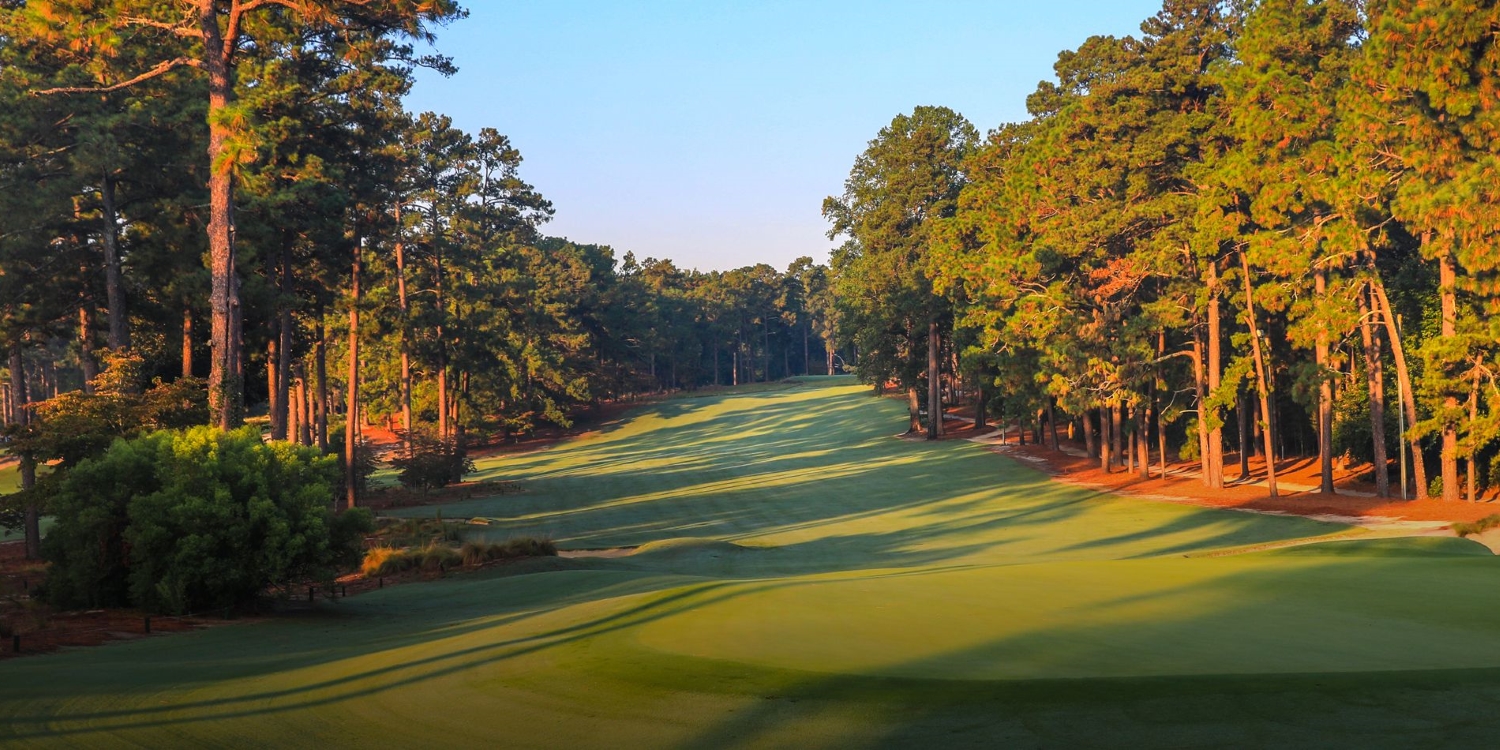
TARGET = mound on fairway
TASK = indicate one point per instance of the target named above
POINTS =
(803, 579)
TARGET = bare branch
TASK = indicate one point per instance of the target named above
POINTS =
(146, 76)
(179, 29)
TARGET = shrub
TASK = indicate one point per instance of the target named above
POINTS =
(185, 521)
(440, 557)
(475, 553)
(430, 463)
(385, 561)
(1477, 527)
(527, 546)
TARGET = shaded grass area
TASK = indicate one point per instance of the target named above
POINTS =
(805, 580)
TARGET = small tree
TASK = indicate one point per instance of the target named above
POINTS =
(429, 462)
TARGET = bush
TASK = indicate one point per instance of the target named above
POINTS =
(440, 557)
(1477, 527)
(475, 553)
(384, 561)
(198, 519)
(430, 462)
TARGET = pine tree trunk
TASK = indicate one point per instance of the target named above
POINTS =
(225, 392)
(1116, 434)
(281, 402)
(1473, 450)
(114, 285)
(1052, 422)
(187, 341)
(1161, 440)
(31, 524)
(1106, 462)
(86, 349)
(934, 383)
(1143, 440)
(1215, 365)
(1447, 291)
(320, 373)
(1200, 387)
(18, 400)
(294, 411)
(1242, 410)
(1089, 444)
(914, 410)
(979, 410)
(1375, 382)
(1408, 398)
(1325, 392)
(1261, 382)
(273, 342)
(351, 389)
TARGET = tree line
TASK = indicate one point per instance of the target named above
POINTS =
(228, 198)
(1264, 227)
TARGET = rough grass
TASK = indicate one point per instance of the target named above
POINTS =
(805, 580)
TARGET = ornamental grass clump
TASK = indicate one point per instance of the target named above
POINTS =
(1477, 527)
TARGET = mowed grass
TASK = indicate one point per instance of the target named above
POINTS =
(805, 579)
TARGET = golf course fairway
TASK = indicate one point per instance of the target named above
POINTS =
(801, 578)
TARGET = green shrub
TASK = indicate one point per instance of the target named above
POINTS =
(198, 519)
(430, 462)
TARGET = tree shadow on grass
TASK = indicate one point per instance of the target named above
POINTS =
(1373, 706)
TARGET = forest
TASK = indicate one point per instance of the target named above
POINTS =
(1255, 230)
(226, 204)
(1162, 413)
(1266, 229)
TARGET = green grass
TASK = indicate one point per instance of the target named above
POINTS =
(803, 579)
(10, 481)
(10, 478)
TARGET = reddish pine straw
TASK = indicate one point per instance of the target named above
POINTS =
(1299, 471)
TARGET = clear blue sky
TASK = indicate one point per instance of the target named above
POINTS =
(709, 132)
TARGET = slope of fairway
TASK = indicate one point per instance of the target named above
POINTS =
(805, 579)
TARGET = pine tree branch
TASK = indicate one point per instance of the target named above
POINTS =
(160, 69)
(179, 29)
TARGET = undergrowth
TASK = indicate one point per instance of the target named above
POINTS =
(438, 557)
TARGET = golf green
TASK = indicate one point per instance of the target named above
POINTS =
(802, 578)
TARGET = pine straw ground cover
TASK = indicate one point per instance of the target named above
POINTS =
(803, 579)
